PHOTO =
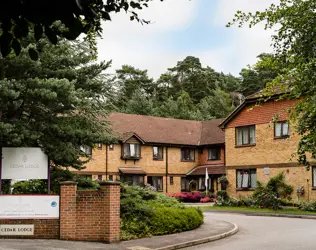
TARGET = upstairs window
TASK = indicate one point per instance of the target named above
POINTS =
(187, 154)
(157, 153)
(281, 129)
(131, 150)
(86, 149)
(246, 178)
(246, 135)
(214, 154)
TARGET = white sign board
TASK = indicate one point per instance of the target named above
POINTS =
(16, 229)
(29, 207)
(266, 171)
(24, 163)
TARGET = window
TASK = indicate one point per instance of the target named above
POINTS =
(246, 135)
(110, 177)
(281, 129)
(86, 149)
(131, 150)
(156, 182)
(314, 176)
(111, 146)
(246, 178)
(171, 180)
(99, 145)
(133, 179)
(99, 177)
(187, 154)
(88, 177)
(157, 153)
(214, 154)
(183, 184)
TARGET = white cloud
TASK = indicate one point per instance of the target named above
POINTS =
(148, 46)
(245, 44)
(143, 46)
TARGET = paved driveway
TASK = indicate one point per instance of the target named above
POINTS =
(263, 233)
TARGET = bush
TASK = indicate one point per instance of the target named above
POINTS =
(145, 212)
(188, 197)
(223, 194)
(309, 206)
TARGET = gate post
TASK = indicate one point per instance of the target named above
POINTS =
(68, 213)
(111, 205)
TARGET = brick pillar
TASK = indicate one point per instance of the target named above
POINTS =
(111, 208)
(68, 213)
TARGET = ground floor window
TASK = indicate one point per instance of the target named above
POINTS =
(314, 176)
(196, 183)
(133, 179)
(246, 178)
(156, 182)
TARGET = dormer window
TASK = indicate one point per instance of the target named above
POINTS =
(131, 150)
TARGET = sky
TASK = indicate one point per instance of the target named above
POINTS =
(181, 28)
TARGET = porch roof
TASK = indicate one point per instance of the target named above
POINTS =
(132, 170)
(211, 169)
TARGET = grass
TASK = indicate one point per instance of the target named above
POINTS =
(257, 210)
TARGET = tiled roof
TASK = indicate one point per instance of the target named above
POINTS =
(167, 130)
(211, 169)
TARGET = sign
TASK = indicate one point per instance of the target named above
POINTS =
(266, 171)
(16, 229)
(24, 163)
(29, 207)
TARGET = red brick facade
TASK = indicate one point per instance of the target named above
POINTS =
(43, 229)
(261, 114)
(84, 216)
(203, 156)
(90, 215)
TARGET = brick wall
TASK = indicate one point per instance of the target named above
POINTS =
(90, 215)
(259, 114)
(203, 157)
(43, 229)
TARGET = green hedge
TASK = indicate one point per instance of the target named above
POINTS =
(145, 212)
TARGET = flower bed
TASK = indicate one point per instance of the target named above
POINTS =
(189, 197)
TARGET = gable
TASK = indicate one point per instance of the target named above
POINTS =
(260, 113)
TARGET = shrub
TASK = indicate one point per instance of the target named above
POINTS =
(188, 197)
(145, 212)
(223, 194)
(309, 206)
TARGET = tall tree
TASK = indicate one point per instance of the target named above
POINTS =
(295, 57)
(54, 103)
(19, 18)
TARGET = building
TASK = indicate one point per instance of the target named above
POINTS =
(260, 142)
(170, 154)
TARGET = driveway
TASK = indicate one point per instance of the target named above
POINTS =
(262, 233)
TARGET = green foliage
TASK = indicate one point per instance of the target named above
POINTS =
(186, 91)
(308, 206)
(294, 57)
(20, 18)
(54, 103)
(30, 187)
(145, 212)
(222, 194)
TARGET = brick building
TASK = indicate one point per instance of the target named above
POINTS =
(258, 148)
(170, 154)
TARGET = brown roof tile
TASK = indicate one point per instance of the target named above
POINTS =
(167, 130)
(211, 169)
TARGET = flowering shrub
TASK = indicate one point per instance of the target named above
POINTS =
(188, 197)
(206, 199)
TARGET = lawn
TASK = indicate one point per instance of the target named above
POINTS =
(257, 210)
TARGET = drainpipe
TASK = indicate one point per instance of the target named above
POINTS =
(166, 169)
(106, 161)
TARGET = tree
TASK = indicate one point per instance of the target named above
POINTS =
(295, 57)
(55, 103)
(19, 18)
(259, 75)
